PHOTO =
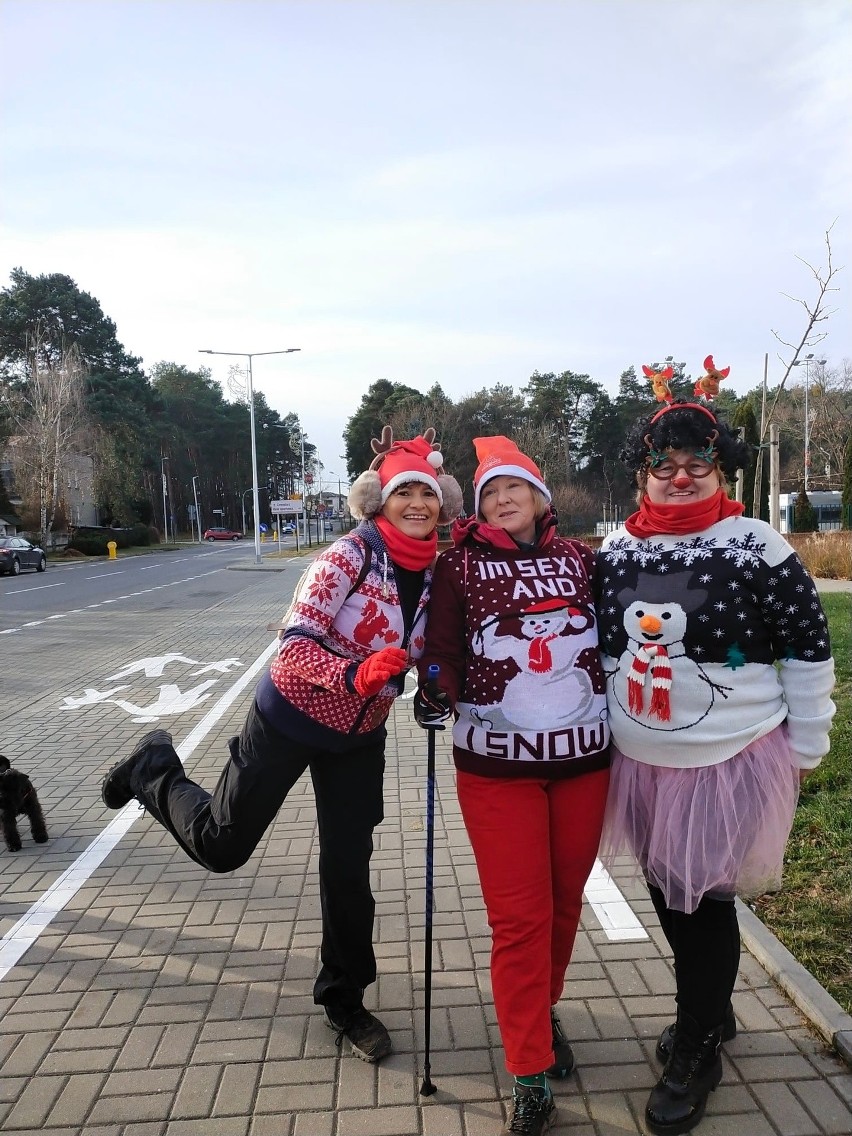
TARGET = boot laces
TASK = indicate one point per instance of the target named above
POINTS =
(528, 1107)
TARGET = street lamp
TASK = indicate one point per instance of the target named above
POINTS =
(808, 359)
(255, 496)
(163, 460)
(197, 513)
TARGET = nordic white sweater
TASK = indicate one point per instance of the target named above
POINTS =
(692, 626)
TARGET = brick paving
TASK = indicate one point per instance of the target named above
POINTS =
(165, 1001)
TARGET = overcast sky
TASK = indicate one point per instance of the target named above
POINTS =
(428, 191)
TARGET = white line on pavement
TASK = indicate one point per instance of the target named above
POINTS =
(614, 913)
(28, 928)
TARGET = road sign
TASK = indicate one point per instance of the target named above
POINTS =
(289, 508)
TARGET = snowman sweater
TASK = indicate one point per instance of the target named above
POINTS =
(514, 633)
(691, 629)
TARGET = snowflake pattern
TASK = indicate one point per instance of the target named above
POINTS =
(323, 586)
(698, 548)
(749, 550)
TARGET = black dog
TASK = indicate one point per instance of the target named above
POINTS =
(19, 798)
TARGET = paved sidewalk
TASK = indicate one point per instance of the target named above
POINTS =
(165, 1001)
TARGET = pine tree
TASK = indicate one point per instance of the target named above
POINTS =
(846, 497)
(804, 514)
(734, 657)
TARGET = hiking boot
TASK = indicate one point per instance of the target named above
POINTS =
(116, 789)
(563, 1064)
(533, 1111)
(664, 1044)
(693, 1071)
(368, 1037)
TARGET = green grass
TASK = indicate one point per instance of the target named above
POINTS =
(812, 914)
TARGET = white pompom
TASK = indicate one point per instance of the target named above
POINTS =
(435, 459)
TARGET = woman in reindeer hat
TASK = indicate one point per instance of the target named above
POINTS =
(514, 632)
(698, 603)
(357, 623)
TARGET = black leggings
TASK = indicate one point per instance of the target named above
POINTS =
(222, 830)
(706, 949)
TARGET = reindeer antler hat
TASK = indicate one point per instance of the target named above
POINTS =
(398, 463)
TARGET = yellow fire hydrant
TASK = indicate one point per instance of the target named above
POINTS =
(112, 546)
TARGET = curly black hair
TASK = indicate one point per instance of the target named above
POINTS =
(685, 426)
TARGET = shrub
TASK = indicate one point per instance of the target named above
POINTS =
(91, 545)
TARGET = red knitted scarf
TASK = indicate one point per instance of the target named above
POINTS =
(677, 520)
(407, 551)
(541, 659)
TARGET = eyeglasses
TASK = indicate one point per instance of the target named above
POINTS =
(695, 469)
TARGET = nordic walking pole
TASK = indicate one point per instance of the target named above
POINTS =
(427, 1088)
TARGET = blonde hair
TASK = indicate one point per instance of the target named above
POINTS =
(542, 505)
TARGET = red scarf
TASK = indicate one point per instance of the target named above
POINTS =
(655, 656)
(541, 659)
(677, 520)
(407, 551)
(499, 538)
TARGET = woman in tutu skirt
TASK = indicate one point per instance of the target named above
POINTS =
(697, 604)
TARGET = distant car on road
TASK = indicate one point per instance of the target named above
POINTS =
(17, 553)
(287, 529)
(222, 534)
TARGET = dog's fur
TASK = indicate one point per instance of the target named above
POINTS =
(19, 798)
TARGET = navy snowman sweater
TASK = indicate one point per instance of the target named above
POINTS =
(691, 629)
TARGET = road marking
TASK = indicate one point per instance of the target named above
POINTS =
(40, 588)
(102, 575)
(116, 599)
(613, 911)
(17, 941)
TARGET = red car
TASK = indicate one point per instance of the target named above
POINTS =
(222, 534)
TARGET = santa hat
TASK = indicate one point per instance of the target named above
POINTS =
(399, 463)
(500, 457)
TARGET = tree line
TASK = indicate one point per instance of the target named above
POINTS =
(68, 387)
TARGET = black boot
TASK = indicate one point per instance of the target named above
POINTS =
(117, 788)
(692, 1072)
(563, 1064)
(664, 1044)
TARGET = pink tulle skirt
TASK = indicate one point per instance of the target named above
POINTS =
(718, 831)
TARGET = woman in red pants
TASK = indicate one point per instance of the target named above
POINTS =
(514, 632)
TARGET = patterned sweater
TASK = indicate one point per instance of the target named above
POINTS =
(691, 629)
(307, 693)
(515, 635)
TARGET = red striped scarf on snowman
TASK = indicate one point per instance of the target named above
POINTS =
(655, 656)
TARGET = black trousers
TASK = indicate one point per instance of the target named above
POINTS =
(222, 830)
(706, 949)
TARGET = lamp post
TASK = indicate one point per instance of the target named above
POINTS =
(250, 389)
(195, 498)
(163, 460)
(808, 359)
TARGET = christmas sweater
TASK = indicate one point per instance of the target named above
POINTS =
(691, 630)
(308, 693)
(514, 633)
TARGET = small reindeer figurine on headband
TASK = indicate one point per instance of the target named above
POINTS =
(707, 386)
(660, 382)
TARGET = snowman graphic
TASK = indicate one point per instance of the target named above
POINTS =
(549, 685)
(654, 674)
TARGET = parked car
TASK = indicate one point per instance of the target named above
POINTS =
(17, 553)
(222, 534)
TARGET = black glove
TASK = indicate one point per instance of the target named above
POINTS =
(432, 706)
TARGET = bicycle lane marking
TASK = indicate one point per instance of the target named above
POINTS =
(17, 941)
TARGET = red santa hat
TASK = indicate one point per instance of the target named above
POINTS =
(500, 457)
(414, 460)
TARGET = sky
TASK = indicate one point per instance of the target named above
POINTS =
(459, 192)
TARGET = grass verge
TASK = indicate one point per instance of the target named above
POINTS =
(812, 914)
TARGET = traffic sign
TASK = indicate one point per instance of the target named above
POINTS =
(289, 508)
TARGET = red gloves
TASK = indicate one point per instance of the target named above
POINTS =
(372, 675)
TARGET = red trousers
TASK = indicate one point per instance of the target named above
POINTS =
(535, 842)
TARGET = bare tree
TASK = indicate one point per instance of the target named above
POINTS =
(817, 312)
(48, 420)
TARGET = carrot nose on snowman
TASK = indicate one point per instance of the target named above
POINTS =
(650, 624)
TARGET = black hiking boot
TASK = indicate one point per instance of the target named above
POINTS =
(533, 1111)
(664, 1044)
(693, 1071)
(368, 1037)
(563, 1064)
(116, 789)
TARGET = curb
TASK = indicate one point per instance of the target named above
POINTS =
(829, 1018)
